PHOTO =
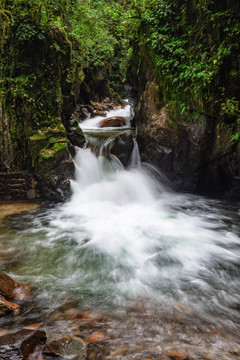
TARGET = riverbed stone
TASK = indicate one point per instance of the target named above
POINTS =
(69, 347)
(177, 355)
(113, 121)
(8, 306)
(13, 289)
(10, 344)
(33, 344)
(96, 337)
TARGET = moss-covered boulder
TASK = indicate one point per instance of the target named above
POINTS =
(40, 83)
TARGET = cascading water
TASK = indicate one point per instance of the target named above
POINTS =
(123, 235)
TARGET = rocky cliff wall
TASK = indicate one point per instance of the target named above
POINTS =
(39, 88)
(196, 154)
(18, 186)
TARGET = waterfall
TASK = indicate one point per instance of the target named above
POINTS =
(125, 235)
(126, 238)
(135, 160)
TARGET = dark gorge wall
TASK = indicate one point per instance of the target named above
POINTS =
(185, 72)
(39, 87)
(195, 153)
(18, 186)
(46, 69)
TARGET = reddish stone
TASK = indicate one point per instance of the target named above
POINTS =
(93, 354)
(175, 355)
(114, 121)
(14, 289)
(33, 326)
(96, 336)
(7, 306)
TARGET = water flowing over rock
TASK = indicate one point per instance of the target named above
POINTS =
(114, 121)
(13, 289)
(22, 344)
(122, 147)
(127, 269)
(7, 307)
(68, 347)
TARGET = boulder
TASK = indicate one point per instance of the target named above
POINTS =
(69, 347)
(13, 289)
(33, 345)
(21, 345)
(122, 148)
(113, 121)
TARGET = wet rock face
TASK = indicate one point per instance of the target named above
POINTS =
(54, 176)
(18, 185)
(122, 148)
(7, 307)
(196, 155)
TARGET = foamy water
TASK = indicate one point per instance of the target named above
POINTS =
(93, 123)
(124, 235)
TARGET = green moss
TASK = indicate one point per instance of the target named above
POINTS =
(38, 136)
(50, 152)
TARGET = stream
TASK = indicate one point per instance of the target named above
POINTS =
(158, 270)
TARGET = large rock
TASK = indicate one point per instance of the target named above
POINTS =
(122, 148)
(68, 347)
(113, 121)
(11, 288)
(22, 345)
(33, 345)
(54, 175)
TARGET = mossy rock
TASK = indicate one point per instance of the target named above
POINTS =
(54, 173)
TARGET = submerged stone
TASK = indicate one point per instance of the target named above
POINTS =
(177, 355)
(13, 289)
(33, 344)
(7, 306)
(69, 347)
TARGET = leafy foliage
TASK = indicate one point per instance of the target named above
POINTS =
(195, 47)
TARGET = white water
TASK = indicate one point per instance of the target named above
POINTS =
(92, 123)
(124, 235)
(148, 241)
